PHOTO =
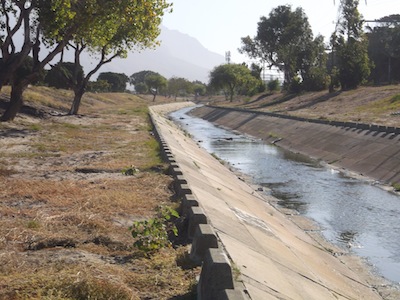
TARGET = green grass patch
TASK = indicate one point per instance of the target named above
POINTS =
(35, 127)
(395, 98)
(43, 96)
(140, 110)
(47, 148)
(33, 224)
(152, 148)
(71, 126)
(386, 105)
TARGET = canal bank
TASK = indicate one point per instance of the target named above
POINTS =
(279, 257)
(370, 152)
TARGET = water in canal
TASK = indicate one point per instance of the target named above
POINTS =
(352, 214)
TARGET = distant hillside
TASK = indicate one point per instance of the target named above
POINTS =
(179, 55)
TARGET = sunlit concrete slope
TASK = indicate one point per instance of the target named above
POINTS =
(277, 259)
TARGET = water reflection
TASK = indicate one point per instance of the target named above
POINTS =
(352, 214)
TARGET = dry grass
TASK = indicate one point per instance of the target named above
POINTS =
(66, 207)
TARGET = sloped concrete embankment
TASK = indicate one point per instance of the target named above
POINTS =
(273, 255)
(217, 275)
(369, 150)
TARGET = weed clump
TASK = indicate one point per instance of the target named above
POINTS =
(153, 234)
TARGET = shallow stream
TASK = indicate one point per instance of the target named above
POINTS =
(352, 214)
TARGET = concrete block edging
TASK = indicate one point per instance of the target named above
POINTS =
(216, 280)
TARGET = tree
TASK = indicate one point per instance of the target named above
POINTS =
(274, 85)
(106, 28)
(198, 88)
(60, 76)
(350, 45)
(178, 86)
(42, 22)
(121, 26)
(141, 88)
(139, 77)
(117, 81)
(281, 40)
(99, 86)
(313, 63)
(15, 17)
(155, 82)
(384, 49)
(232, 79)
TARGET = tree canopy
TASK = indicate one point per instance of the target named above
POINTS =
(233, 79)
(61, 76)
(350, 45)
(139, 77)
(105, 28)
(178, 86)
(46, 24)
(120, 26)
(117, 81)
(384, 49)
(155, 82)
(281, 41)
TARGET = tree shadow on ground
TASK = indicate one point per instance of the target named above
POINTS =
(285, 98)
(259, 98)
(316, 100)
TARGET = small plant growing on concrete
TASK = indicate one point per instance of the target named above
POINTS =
(236, 272)
(396, 187)
(273, 135)
(152, 235)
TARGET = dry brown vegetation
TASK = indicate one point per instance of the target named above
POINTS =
(66, 207)
(375, 105)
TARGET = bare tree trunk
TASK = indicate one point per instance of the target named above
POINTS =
(77, 100)
(231, 92)
(81, 84)
(16, 101)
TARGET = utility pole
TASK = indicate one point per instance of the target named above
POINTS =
(334, 3)
(228, 57)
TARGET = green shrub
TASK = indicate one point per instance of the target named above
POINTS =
(130, 171)
(274, 85)
(152, 235)
(395, 98)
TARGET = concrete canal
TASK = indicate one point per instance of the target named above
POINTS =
(353, 214)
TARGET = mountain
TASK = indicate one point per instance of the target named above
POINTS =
(179, 55)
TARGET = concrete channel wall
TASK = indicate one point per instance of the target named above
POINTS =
(368, 150)
(217, 276)
(247, 248)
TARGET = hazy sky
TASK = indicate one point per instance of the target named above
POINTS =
(219, 24)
